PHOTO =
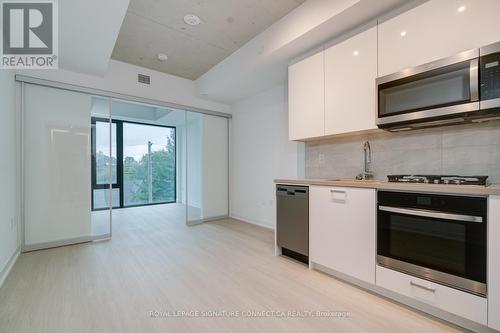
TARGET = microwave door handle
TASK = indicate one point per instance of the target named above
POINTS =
(432, 214)
(474, 79)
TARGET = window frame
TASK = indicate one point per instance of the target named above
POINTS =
(119, 162)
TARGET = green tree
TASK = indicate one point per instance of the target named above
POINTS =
(163, 175)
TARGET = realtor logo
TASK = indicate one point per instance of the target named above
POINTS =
(29, 34)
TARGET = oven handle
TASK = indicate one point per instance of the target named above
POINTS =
(431, 213)
(418, 285)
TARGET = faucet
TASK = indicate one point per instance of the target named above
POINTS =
(367, 162)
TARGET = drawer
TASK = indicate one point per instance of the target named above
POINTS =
(460, 303)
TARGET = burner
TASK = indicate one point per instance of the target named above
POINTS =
(439, 179)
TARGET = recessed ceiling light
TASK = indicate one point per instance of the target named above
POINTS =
(355, 53)
(162, 57)
(403, 33)
(192, 19)
(461, 9)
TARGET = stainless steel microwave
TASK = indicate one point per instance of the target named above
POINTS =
(462, 88)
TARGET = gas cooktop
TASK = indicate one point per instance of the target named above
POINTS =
(439, 179)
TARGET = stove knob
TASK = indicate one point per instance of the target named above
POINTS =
(436, 181)
(446, 181)
(457, 181)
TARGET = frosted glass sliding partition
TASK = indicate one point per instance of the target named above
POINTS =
(56, 138)
(194, 163)
(215, 167)
(104, 175)
(207, 167)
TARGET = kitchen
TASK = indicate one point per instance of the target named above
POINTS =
(401, 163)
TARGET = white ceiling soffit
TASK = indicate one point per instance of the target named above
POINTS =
(153, 27)
(262, 62)
(87, 33)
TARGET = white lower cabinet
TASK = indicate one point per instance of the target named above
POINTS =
(342, 230)
(460, 303)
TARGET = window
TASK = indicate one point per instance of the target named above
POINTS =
(143, 164)
(148, 164)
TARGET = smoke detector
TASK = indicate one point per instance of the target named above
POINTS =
(192, 19)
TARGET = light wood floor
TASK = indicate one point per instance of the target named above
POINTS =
(156, 263)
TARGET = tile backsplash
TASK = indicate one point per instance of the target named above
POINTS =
(472, 149)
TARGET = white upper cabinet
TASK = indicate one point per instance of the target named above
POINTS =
(350, 73)
(435, 30)
(306, 98)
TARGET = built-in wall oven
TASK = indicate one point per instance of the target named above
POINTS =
(461, 88)
(440, 238)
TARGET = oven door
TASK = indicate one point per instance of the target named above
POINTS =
(443, 89)
(438, 246)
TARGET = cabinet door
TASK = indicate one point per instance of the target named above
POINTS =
(494, 262)
(342, 230)
(350, 73)
(435, 30)
(306, 98)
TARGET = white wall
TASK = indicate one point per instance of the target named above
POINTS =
(122, 78)
(260, 153)
(9, 238)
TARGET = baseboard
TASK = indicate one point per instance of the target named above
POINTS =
(251, 221)
(8, 267)
(57, 243)
(208, 219)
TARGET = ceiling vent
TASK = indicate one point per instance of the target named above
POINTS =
(145, 79)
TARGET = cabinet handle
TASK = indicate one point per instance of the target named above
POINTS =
(337, 191)
(338, 196)
(431, 289)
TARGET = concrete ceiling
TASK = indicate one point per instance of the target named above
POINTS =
(262, 62)
(152, 26)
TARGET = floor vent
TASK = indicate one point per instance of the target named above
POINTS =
(146, 79)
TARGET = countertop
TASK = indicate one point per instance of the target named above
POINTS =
(493, 189)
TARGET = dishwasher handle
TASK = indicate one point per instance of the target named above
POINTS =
(302, 191)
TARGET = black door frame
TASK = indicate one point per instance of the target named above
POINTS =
(119, 162)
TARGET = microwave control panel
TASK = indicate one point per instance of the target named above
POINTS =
(490, 76)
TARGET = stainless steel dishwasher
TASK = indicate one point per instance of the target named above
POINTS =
(292, 227)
